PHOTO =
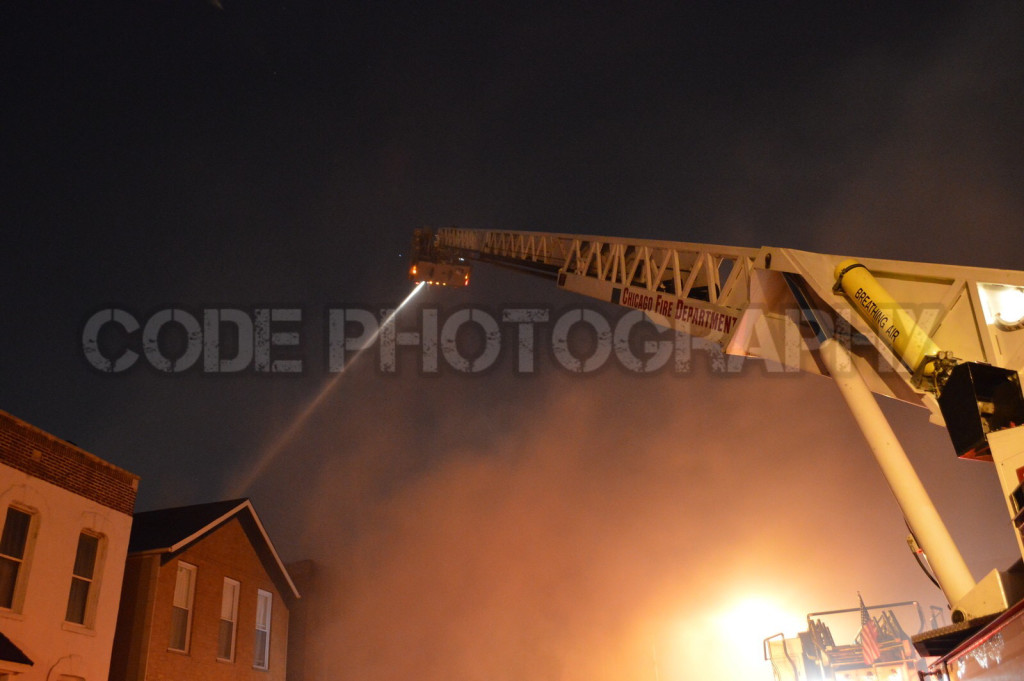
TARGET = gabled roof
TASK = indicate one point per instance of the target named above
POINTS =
(170, 530)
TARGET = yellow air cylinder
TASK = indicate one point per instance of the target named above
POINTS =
(889, 320)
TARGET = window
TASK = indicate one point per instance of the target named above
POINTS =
(82, 577)
(261, 646)
(228, 618)
(13, 544)
(181, 612)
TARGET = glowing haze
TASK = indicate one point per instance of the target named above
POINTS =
(608, 527)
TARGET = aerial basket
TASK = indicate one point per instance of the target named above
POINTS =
(434, 264)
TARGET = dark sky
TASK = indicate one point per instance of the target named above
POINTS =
(279, 155)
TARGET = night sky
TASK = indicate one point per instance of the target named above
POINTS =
(253, 155)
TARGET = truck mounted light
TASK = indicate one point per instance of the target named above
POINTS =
(1003, 306)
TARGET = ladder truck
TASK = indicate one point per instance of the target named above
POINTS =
(947, 338)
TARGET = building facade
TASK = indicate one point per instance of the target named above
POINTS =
(205, 597)
(66, 518)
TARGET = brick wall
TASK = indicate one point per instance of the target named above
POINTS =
(134, 618)
(36, 452)
(226, 552)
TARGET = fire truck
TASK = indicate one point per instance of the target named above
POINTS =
(946, 338)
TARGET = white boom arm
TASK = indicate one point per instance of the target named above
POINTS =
(738, 297)
(888, 327)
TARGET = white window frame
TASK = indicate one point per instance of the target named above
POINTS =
(25, 560)
(229, 613)
(185, 602)
(92, 581)
(264, 607)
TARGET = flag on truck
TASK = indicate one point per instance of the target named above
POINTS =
(868, 634)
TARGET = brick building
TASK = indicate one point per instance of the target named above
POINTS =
(205, 597)
(66, 518)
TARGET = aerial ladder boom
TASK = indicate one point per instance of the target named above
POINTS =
(946, 338)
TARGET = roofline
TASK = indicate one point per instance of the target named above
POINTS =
(65, 443)
(244, 504)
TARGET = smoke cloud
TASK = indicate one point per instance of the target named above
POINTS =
(566, 527)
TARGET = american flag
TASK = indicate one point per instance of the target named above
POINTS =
(868, 634)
